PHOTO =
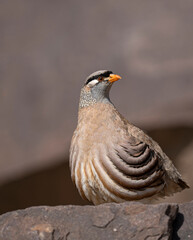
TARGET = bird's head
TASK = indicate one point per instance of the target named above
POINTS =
(96, 88)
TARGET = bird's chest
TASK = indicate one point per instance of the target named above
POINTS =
(92, 133)
(97, 131)
(99, 127)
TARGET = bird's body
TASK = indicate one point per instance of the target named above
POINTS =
(111, 160)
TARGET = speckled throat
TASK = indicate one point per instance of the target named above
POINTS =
(88, 99)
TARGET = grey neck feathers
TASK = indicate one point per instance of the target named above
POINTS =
(87, 98)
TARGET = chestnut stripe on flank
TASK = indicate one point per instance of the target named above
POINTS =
(120, 192)
(123, 180)
(124, 155)
(134, 150)
(130, 170)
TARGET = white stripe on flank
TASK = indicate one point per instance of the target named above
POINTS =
(104, 194)
(76, 170)
(84, 180)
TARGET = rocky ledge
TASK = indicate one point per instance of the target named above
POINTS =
(128, 220)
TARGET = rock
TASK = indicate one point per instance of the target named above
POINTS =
(183, 225)
(106, 221)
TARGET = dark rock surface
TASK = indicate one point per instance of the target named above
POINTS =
(107, 221)
(183, 224)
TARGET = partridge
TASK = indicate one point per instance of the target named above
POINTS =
(111, 160)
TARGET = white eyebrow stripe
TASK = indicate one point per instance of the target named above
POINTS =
(93, 82)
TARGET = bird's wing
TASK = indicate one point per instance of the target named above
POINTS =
(174, 181)
(139, 166)
(136, 170)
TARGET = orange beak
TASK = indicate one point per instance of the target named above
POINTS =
(114, 78)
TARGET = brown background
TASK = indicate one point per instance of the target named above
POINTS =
(48, 48)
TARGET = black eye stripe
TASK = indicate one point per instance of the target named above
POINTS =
(105, 74)
(92, 78)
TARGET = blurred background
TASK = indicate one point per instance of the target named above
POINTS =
(48, 48)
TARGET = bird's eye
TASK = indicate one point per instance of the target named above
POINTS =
(100, 78)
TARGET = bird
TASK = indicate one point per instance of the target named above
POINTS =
(112, 160)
